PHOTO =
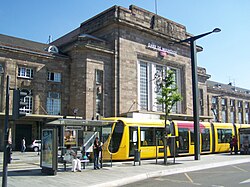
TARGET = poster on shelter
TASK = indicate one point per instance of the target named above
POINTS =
(70, 137)
(47, 148)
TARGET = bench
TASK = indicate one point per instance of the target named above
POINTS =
(64, 162)
(83, 163)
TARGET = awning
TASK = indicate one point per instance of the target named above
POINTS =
(80, 122)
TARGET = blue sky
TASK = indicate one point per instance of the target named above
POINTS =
(225, 54)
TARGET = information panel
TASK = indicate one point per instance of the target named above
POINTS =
(47, 148)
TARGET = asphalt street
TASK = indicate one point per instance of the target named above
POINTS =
(227, 176)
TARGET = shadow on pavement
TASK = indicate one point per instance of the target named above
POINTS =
(33, 172)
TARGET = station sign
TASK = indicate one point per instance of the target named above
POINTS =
(163, 51)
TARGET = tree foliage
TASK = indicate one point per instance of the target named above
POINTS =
(169, 93)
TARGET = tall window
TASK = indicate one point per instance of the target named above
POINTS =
(25, 72)
(215, 108)
(151, 81)
(247, 112)
(232, 111)
(55, 77)
(240, 111)
(54, 103)
(28, 99)
(99, 95)
(223, 110)
(201, 100)
(158, 85)
(143, 86)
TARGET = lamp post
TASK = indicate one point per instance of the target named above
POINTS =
(192, 40)
(5, 164)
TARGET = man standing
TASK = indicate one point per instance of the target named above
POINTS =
(97, 149)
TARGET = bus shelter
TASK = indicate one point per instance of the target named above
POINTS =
(78, 133)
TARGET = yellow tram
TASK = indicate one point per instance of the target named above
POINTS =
(147, 136)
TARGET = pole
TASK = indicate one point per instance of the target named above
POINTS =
(195, 100)
(5, 164)
(195, 89)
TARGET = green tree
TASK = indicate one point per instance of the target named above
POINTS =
(169, 94)
(169, 97)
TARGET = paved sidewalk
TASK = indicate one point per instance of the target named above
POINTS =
(25, 170)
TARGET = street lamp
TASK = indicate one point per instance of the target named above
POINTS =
(191, 40)
(5, 161)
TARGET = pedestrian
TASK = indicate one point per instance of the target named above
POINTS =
(23, 148)
(235, 144)
(72, 156)
(97, 148)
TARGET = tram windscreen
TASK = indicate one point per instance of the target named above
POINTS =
(106, 131)
(116, 137)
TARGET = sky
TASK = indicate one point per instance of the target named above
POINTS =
(224, 55)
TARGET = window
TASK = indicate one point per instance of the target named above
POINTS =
(99, 76)
(184, 140)
(28, 99)
(116, 137)
(150, 83)
(232, 116)
(224, 135)
(223, 116)
(55, 77)
(232, 111)
(215, 107)
(224, 102)
(201, 100)
(54, 103)
(147, 136)
(240, 111)
(232, 102)
(246, 104)
(224, 109)
(205, 138)
(143, 86)
(25, 72)
(247, 118)
(98, 94)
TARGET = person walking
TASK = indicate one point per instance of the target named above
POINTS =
(97, 149)
(23, 148)
(235, 144)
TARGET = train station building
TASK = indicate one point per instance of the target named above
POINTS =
(110, 66)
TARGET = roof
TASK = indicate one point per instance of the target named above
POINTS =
(22, 43)
(226, 87)
(28, 46)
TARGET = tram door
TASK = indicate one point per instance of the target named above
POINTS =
(133, 140)
(205, 138)
(183, 140)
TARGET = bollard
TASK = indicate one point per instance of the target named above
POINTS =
(137, 156)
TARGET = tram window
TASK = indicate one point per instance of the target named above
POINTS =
(224, 135)
(106, 130)
(183, 138)
(160, 136)
(205, 137)
(147, 136)
(116, 137)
